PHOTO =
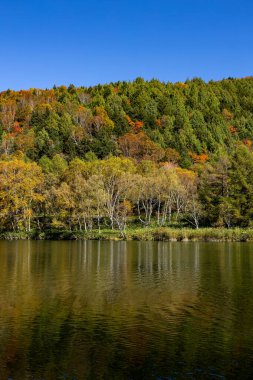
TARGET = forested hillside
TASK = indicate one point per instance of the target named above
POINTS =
(128, 152)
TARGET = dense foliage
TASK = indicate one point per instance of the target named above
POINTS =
(139, 152)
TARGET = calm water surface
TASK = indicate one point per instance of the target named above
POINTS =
(126, 310)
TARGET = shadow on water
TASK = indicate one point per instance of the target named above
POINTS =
(125, 310)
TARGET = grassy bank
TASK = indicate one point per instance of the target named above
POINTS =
(141, 234)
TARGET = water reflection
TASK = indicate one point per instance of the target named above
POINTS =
(125, 310)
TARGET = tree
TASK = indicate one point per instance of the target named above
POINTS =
(140, 147)
(20, 190)
(113, 171)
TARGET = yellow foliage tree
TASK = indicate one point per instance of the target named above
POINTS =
(20, 190)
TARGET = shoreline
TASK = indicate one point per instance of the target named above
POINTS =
(140, 234)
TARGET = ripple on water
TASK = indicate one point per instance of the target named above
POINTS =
(93, 310)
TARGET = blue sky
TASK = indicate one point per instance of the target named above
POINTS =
(47, 42)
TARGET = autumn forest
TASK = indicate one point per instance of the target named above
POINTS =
(127, 154)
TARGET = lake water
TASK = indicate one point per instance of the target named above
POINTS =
(126, 310)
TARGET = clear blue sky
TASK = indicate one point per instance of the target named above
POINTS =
(47, 42)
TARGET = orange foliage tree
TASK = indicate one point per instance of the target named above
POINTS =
(199, 158)
(140, 147)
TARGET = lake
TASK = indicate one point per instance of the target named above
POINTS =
(125, 310)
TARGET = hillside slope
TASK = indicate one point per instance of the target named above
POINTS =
(143, 120)
(137, 153)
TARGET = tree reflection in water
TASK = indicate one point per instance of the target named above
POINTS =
(125, 310)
